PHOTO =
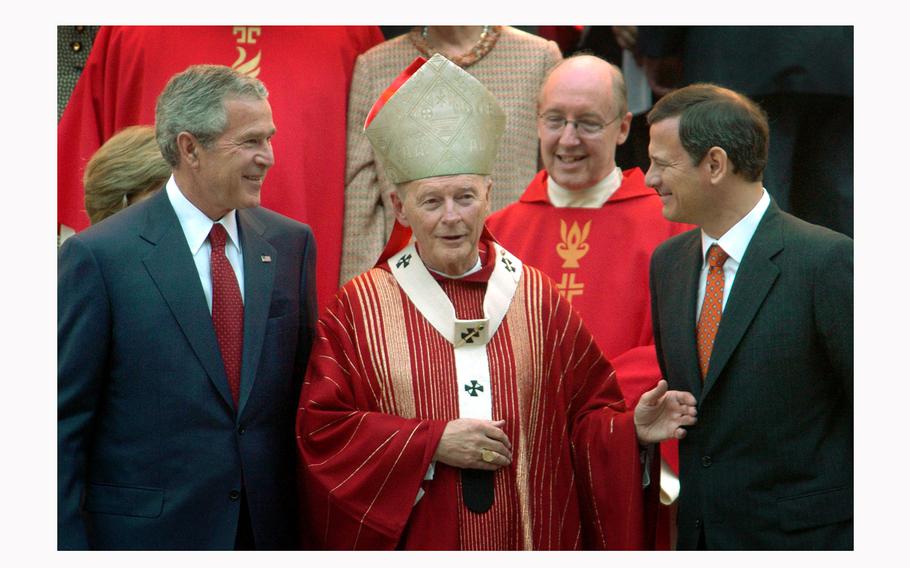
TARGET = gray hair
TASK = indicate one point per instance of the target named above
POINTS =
(193, 101)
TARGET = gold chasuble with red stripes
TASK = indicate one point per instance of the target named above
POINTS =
(382, 384)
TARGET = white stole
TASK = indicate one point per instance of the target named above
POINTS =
(469, 338)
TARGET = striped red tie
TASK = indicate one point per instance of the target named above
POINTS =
(227, 310)
(712, 307)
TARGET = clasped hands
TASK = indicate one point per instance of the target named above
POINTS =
(470, 443)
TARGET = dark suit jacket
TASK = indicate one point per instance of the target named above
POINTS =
(769, 465)
(758, 60)
(151, 452)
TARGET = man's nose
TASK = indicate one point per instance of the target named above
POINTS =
(569, 134)
(650, 177)
(266, 157)
(451, 212)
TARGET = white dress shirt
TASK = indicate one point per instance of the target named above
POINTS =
(734, 242)
(196, 228)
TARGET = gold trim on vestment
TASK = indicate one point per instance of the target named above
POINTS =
(397, 362)
(523, 346)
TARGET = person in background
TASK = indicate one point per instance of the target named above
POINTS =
(592, 228)
(509, 62)
(802, 76)
(126, 169)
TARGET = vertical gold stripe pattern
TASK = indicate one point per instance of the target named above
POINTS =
(526, 349)
(397, 373)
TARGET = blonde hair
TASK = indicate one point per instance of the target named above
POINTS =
(128, 165)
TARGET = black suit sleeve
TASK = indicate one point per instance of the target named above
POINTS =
(655, 314)
(83, 337)
(833, 305)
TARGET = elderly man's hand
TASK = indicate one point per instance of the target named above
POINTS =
(661, 414)
(474, 444)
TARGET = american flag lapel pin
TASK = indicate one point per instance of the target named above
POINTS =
(265, 258)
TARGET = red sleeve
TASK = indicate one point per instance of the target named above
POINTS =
(361, 468)
(606, 451)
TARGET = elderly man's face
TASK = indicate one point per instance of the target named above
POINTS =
(231, 172)
(446, 214)
(579, 154)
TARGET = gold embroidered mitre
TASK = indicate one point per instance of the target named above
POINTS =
(441, 121)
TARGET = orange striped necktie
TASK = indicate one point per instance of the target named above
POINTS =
(712, 307)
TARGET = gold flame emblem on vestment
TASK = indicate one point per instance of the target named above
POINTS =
(246, 36)
(573, 246)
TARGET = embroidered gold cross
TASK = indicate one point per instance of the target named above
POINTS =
(568, 287)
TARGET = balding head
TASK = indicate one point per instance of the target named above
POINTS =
(590, 94)
(592, 72)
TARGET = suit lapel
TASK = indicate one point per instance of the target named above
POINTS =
(688, 268)
(754, 278)
(171, 267)
(258, 279)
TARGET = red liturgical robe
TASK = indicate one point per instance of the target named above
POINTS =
(381, 387)
(599, 259)
(307, 70)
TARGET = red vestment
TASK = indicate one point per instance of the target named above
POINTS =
(381, 387)
(599, 259)
(307, 70)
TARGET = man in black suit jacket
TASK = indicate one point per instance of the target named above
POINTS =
(155, 449)
(770, 463)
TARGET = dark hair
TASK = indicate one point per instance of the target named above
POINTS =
(710, 116)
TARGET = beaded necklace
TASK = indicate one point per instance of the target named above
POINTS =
(488, 37)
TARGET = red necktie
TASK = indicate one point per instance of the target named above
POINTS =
(227, 310)
(712, 307)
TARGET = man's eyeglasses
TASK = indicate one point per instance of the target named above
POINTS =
(555, 123)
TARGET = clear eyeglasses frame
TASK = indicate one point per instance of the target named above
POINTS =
(555, 124)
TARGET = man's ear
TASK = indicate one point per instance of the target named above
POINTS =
(187, 148)
(717, 164)
(398, 207)
(489, 184)
(625, 126)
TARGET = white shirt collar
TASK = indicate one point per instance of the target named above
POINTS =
(196, 225)
(736, 240)
(591, 198)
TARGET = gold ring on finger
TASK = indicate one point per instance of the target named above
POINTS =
(488, 455)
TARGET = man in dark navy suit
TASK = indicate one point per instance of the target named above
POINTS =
(753, 314)
(184, 329)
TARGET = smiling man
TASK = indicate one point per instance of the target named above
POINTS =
(454, 399)
(753, 314)
(592, 227)
(184, 328)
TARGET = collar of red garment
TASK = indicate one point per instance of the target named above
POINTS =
(633, 185)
